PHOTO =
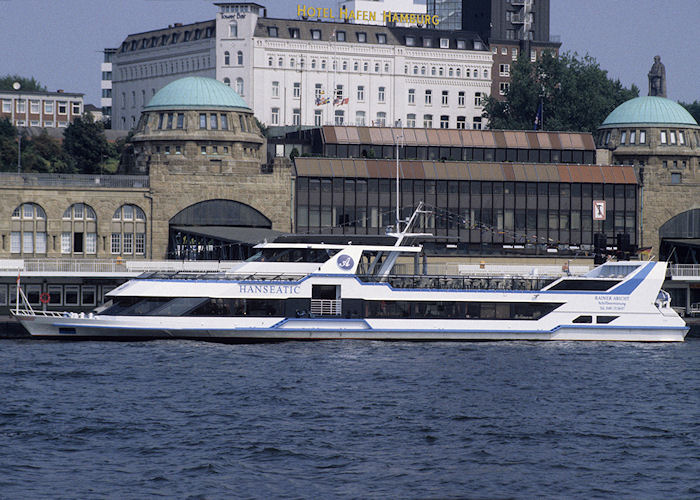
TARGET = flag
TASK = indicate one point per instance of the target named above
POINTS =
(346, 100)
(538, 117)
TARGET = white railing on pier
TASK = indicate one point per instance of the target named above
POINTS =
(685, 270)
(12, 265)
(74, 180)
(194, 266)
(326, 307)
(74, 266)
(112, 266)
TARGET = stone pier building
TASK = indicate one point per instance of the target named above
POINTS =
(200, 187)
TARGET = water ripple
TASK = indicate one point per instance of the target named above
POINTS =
(349, 419)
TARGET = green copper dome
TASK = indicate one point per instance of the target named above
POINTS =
(649, 110)
(196, 92)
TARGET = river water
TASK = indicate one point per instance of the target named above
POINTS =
(349, 419)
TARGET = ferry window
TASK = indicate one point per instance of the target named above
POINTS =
(88, 295)
(72, 295)
(583, 319)
(55, 295)
(32, 292)
(605, 319)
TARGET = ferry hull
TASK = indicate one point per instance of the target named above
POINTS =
(314, 329)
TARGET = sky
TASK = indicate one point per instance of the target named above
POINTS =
(60, 42)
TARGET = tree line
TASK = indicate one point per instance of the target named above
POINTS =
(84, 149)
(565, 92)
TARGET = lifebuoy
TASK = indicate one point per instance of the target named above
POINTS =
(44, 298)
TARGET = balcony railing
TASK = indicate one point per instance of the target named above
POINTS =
(685, 270)
(326, 307)
(74, 180)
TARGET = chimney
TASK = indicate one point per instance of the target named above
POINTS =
(178, 25)
(59, 91)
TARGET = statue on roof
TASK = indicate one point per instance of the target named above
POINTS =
(657, 78)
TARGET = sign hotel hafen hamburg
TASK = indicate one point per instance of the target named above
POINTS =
(365, 15)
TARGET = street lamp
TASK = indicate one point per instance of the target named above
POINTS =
(399, 139)
(16, 86)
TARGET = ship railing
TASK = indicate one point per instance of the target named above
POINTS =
(452, 269)
(326, 307)
(527, 283)
(29, 313)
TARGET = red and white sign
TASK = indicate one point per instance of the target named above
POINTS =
(598, 209)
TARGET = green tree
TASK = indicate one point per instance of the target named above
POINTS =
(85, 142)
(26, 83)
(575, 94)
(8, 146)
(693, 109)
(44, 154)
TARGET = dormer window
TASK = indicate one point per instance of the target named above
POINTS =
(197, 34)
(362, 37)
(381, 38)
(461, 44)
(174, 38)
(164, 39)
(133, 45)
(293, 32)
(340, 36)
(187, 36)
(444, 43)
(144, 43)
(410, 41)
(272, 31)
(427, 42)
(154, 41)
(315, 34)
(208, 33)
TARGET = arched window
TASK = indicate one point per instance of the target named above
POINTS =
(233, 29)
(240, 58)
(227, 58)
(239, 86)
(128, 231)
(79, 233)
(227, 81)
(30, 236)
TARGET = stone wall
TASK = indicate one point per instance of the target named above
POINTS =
(663, 200)
(175, 188)
(55, 201)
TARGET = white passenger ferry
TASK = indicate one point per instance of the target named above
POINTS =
(317, 291)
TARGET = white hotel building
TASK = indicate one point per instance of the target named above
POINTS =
(286, 70)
